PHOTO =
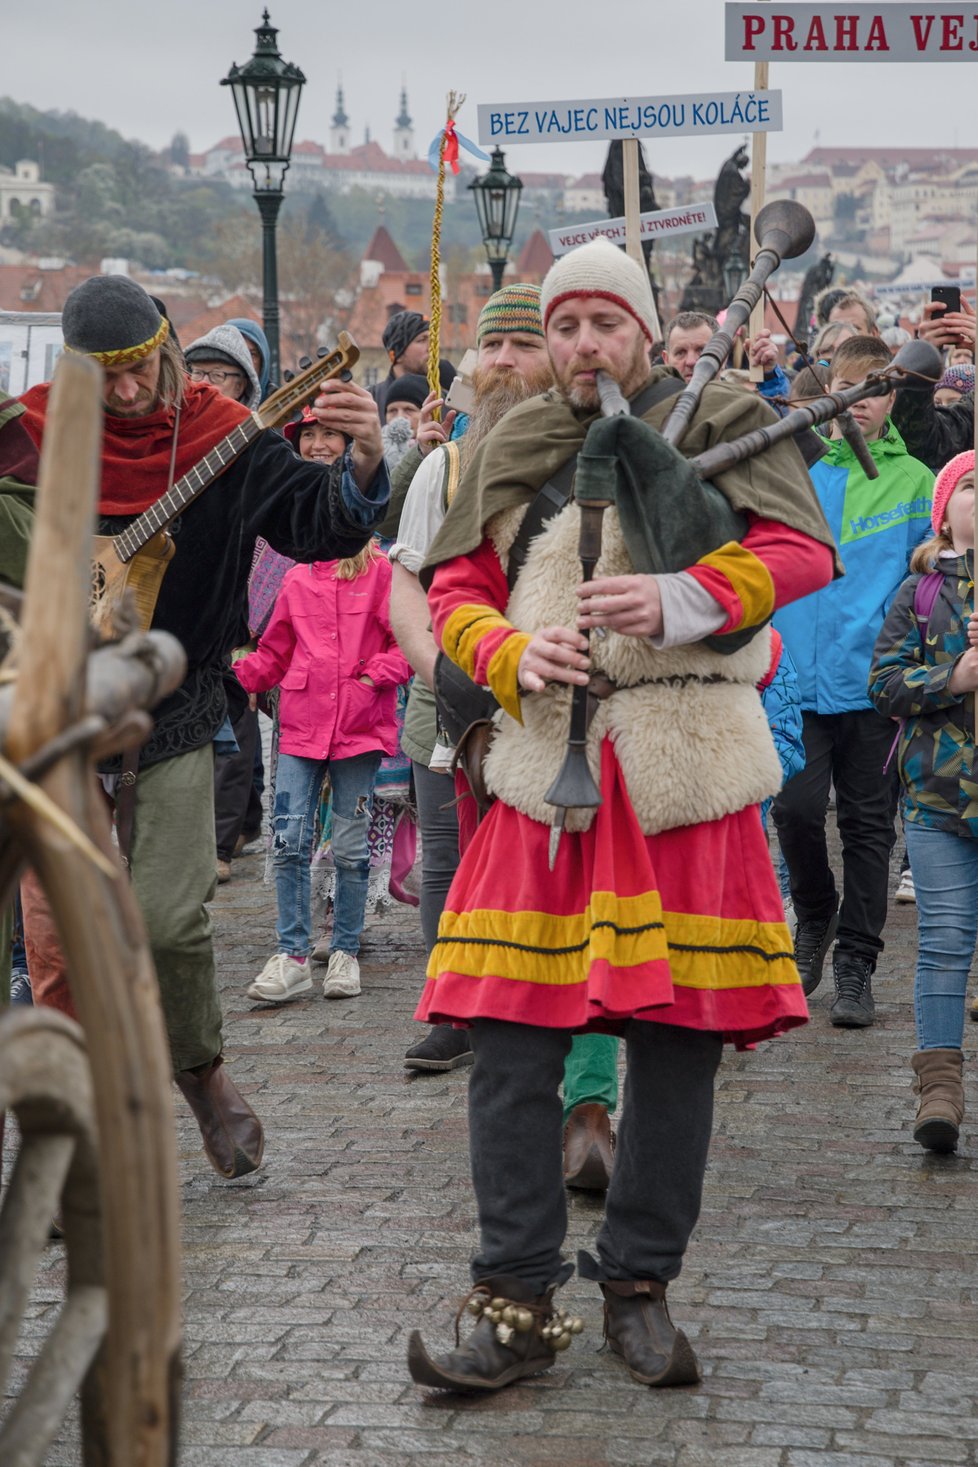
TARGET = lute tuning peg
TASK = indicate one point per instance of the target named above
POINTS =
(288, 375)
(322, 351)
(304, 362)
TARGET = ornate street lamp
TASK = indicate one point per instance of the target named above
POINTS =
(266, 94)
(497, 203)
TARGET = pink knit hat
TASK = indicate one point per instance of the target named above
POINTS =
(946, 483)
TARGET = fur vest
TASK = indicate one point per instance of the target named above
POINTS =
(690, 750)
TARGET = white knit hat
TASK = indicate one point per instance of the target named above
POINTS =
(600, 268)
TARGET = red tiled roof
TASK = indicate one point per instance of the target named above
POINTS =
(383, 248)
(889, 156)
(206, 320)
(807, 180)
(28, 288)
(536, 258)
(368, 156)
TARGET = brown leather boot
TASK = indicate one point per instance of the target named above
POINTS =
(638, 1328)
(231, 1132)
(589, 1148)
(940, 1108)
(517, 1335)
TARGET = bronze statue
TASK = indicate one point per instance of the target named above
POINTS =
(713, 257)
(817, 278)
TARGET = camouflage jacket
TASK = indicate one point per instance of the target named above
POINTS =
(912, 666)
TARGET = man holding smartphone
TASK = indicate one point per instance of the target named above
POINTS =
(933, 434)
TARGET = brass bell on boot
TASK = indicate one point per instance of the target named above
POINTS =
(560, 1329)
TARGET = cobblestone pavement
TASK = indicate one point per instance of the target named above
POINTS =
(830, 1288)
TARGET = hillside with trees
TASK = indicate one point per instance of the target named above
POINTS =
(117, 197)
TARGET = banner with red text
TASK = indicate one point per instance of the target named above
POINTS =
(850, 32)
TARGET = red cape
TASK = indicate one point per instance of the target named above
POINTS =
(136, 451)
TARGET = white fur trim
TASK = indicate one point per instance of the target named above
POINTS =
(689, 752)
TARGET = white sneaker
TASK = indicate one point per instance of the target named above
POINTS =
(905, 892)
(342, 976)
(281, 978)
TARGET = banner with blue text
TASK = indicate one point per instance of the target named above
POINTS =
(504, 123)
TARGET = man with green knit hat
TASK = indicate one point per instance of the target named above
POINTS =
(512, 366)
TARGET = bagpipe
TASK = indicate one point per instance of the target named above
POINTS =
(667, 531)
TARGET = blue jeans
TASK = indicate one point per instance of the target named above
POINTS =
(945, 878)
(297, 786)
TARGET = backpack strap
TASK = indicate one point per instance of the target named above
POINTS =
(925, 595)
(547, 502)
(556, 493)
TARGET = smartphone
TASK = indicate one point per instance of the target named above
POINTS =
(460, 395)
(949, 294)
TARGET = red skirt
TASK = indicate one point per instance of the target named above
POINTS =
(685, 927)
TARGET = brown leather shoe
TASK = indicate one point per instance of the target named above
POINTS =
(231, 1132)
(589, 1148)
(517, 1335)
(638, 1328)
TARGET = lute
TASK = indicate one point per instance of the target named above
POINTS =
(129, 567)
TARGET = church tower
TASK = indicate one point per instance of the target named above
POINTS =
(403, 131)
(339, 132)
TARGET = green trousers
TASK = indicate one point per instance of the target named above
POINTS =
(591, 1072)
(174, 870)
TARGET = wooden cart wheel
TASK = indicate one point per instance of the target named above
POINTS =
(46, 1083)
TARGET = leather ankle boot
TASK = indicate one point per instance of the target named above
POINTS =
(638, 1328)
(230, 1130)
(940, 1108)
(589, 1148)
(517, 1335)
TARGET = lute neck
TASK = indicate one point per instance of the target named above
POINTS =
(185, 490)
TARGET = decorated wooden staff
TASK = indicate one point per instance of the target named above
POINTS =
(444, 150)
(447, 153)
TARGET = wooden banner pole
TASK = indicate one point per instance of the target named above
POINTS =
(633, 219)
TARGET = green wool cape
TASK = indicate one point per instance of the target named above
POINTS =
(536, 438)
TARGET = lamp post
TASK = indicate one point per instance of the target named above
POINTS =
(497, 202)
(266, 94)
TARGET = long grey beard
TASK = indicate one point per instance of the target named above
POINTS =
(492, 408)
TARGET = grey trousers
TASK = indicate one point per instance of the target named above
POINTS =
(515, 1133)
(438, 824)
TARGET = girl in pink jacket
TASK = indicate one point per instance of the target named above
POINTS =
(330, 650)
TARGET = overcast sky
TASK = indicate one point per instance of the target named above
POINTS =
(148, 69)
